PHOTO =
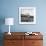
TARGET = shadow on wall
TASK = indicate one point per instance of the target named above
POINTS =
(2, 21)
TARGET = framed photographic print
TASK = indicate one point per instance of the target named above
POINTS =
(27, 15)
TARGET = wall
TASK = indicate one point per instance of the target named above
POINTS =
(9, 8)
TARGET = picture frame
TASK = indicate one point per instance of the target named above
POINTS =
(27, 15)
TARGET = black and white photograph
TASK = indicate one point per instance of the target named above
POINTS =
(27, 15)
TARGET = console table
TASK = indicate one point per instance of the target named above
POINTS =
(21, 39)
